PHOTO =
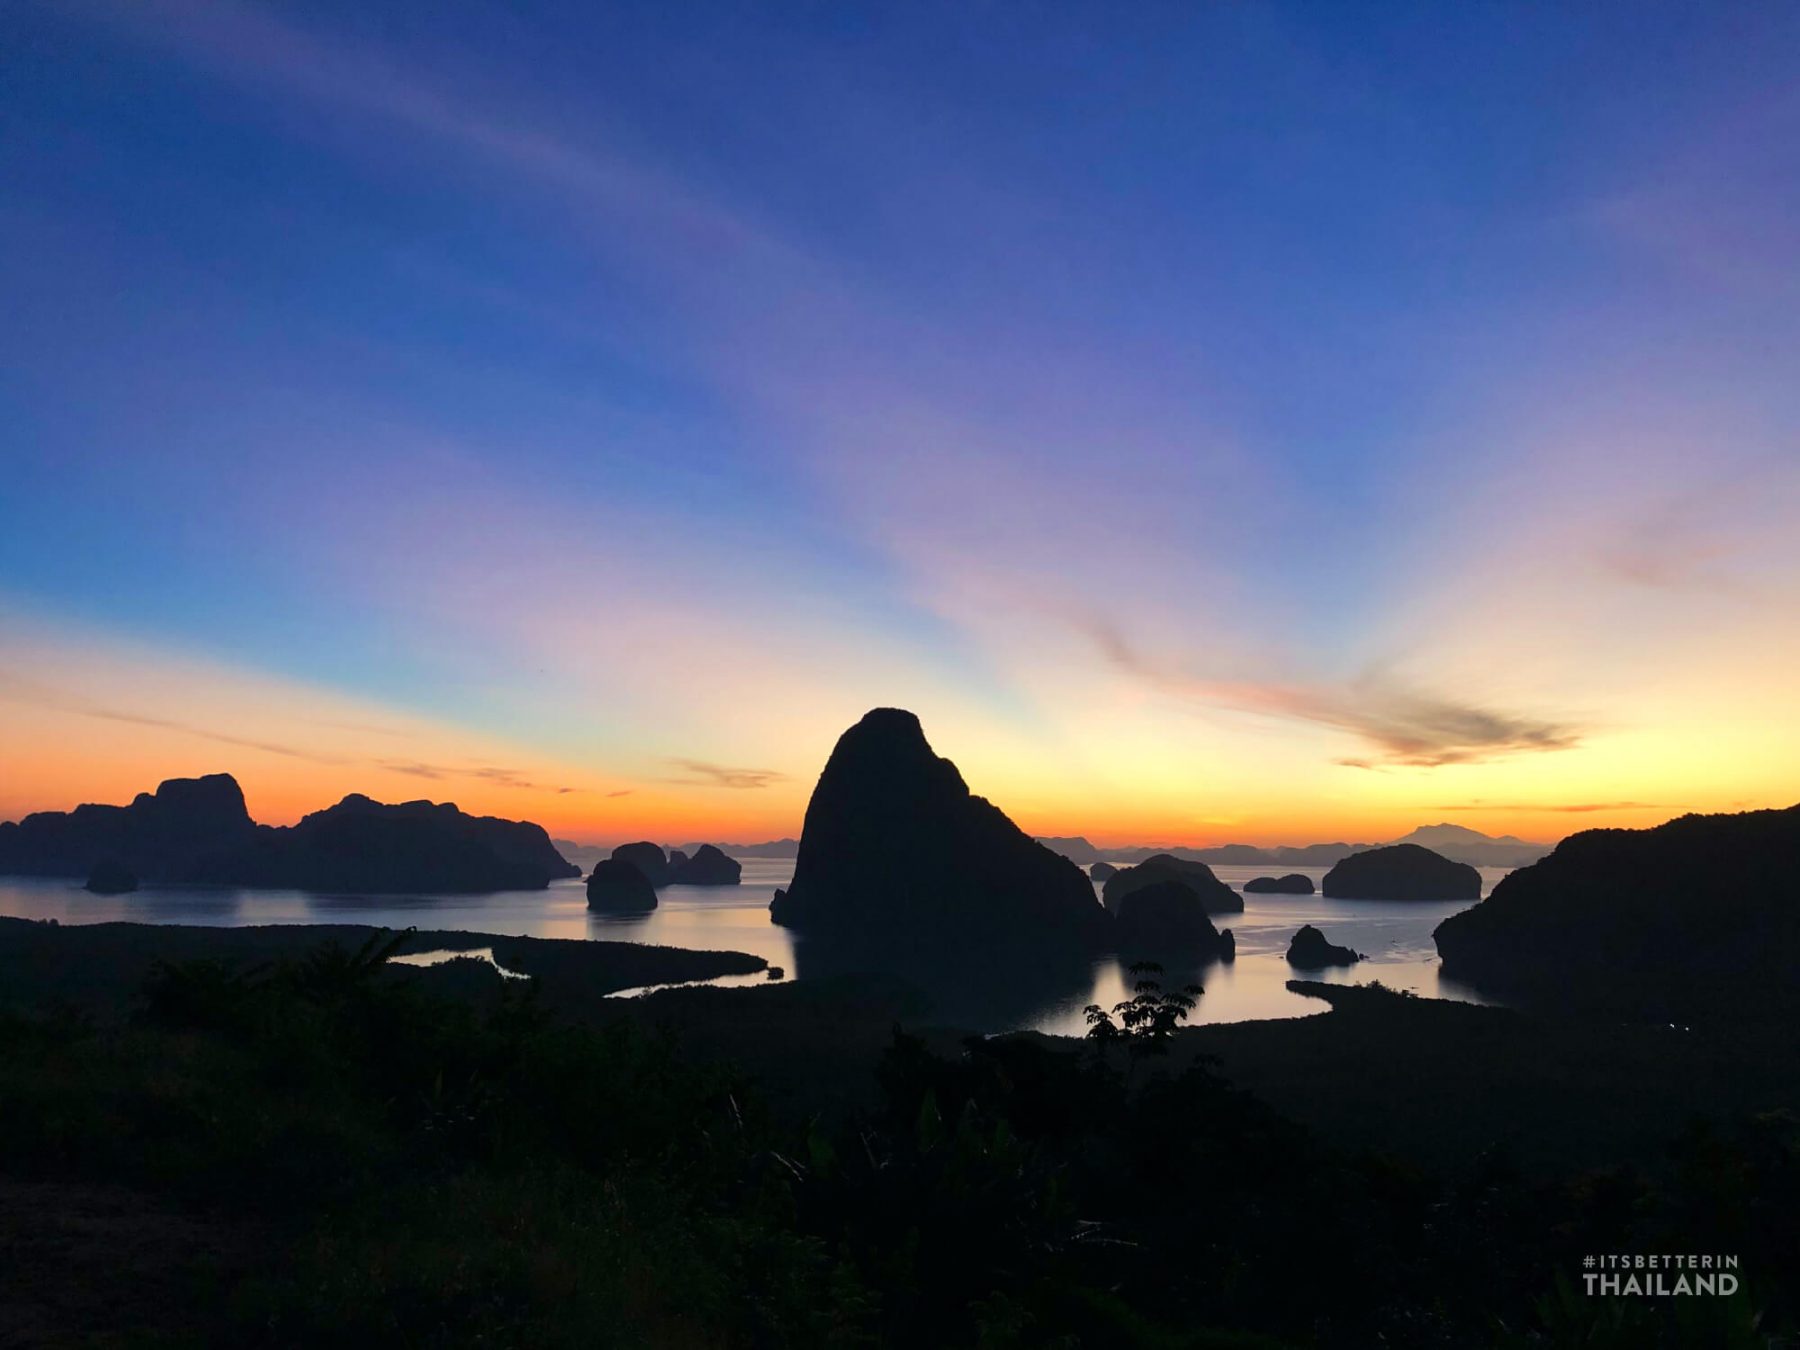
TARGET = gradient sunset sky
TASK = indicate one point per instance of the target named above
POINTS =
(1217, 421)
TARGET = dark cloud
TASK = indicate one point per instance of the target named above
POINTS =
(701, 774)
(1417, 729)
(622, 792)
(1402, 725)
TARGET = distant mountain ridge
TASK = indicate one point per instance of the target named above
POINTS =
(1074, 848)
(1445, 835)
(774, 848)
(1458, 843)
(586, 855)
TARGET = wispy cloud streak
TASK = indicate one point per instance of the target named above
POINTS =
(488, 773)
(702, 774)
(1403, 725)
(17, 690)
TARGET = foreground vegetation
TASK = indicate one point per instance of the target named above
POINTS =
(437, 1158)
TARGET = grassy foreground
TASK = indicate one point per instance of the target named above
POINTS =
(332, 1148)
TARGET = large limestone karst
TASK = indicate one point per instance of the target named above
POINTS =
(895, 843)
(1697, 917)
(198, 831)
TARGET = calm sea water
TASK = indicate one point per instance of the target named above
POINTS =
(1395, 936)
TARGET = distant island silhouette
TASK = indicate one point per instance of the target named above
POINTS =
(1076, 849)
(585, 856)
(1214, 895)
(1401, 872)
(648, 858)
(198, 831)
(630, 878)
(708, 866)
(619, 886)
(1294, 883)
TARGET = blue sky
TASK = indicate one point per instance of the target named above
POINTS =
(1141, 392)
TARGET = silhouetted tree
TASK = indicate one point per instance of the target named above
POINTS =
(1146, 1021)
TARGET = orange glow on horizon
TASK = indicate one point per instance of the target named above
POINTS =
(90, 719)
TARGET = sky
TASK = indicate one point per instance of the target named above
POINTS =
(1219, 422)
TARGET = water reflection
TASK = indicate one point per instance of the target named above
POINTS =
(706, 918)
(959, 982)
(982, 990)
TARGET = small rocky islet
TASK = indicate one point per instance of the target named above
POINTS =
(1310, 950)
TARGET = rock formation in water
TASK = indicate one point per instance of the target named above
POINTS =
(708, 867)
(1402, 872)
(648, 858)
(160, 837)
(1310, 951)
(361, 846)
(1294, 883)
(1100, 871)
(1697, 917)
(197, 831)
(677, 860)
(895, 843)
(1214, 894)
(111, 877)
(617, 886)
(1167, 915)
